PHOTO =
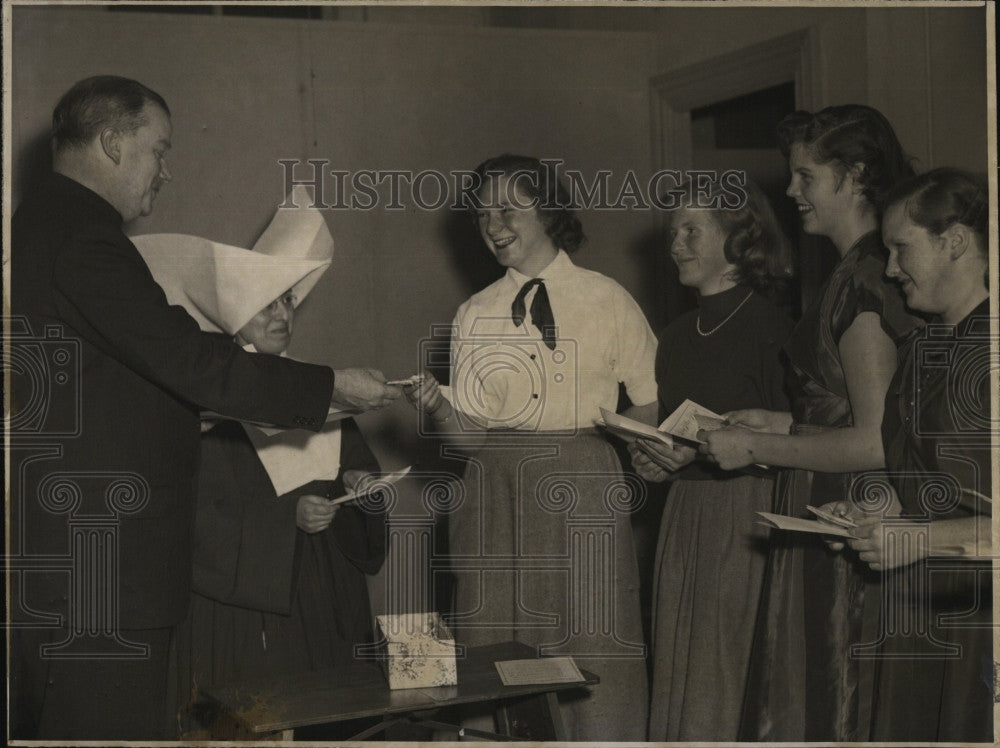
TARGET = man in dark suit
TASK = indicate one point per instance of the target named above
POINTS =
(108, 501)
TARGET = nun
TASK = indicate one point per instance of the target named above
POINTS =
(279, 571)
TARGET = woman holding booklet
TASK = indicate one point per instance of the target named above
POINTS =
(804, 682)
(711, 554)
(279, 570)
(936, 433)
(543, 527)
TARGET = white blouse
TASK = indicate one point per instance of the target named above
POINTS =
(506, 376)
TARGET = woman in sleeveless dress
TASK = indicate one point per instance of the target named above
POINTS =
(804, 683)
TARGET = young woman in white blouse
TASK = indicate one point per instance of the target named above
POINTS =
(541, 543)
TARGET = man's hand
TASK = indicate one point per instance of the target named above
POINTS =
(362, 389)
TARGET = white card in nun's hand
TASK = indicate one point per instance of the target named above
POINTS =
(376, 484)
(543, 670)
(269, 429)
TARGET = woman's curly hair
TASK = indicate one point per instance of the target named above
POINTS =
(849, 136)
(541, 185)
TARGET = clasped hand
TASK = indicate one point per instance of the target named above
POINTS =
(868, 539)
(654, 461)
(315, 513)
(729, 447)
(426, 397)
(732, 447)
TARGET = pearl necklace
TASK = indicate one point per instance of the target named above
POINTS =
(697, 323)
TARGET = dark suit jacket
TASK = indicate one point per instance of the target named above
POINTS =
(120, 378)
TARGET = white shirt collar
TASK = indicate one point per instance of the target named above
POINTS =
(559, 265)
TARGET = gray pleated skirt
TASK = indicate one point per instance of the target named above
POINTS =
(542, 552)
(709, 572)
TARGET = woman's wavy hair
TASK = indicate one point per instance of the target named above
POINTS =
(755, 243)
(540, 183)
(941, 198)
(846, 136)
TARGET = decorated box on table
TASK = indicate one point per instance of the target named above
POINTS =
(419, 651)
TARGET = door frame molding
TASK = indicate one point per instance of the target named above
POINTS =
(790, 57)
(770, 63)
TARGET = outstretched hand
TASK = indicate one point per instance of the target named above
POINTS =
(426, 397)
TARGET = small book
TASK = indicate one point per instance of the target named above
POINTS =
(689, 418)
(543, 670)
(630, 429)
(823, 514)
(379, 482)
(795, 524)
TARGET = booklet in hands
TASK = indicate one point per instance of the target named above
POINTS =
(630, 429)
(683, 423)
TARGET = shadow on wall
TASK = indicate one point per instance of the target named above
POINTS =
(465, 249)
(661, 295)
(33, 166)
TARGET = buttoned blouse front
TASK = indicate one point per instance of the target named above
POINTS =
(505, 375)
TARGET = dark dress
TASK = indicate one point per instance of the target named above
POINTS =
(712, 552)
(269, 598)
(803, 683)
(937, 447)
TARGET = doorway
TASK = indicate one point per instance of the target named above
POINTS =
(721, 114)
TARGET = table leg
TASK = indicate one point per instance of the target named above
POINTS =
(532, 718)
(555, 716)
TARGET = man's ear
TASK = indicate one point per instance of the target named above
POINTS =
(111, 144)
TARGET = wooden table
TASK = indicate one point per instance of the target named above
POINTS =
(327, 696)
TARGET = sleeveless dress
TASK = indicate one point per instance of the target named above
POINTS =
(803, 683)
